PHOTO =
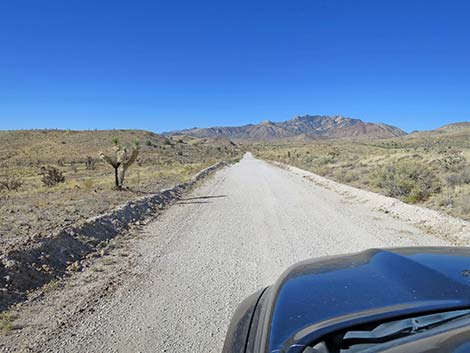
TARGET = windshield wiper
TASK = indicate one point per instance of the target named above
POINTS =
(397, 329)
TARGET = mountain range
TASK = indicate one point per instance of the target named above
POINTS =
(307, 127)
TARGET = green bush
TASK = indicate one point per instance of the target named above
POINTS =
(410, 181)
(324, 160)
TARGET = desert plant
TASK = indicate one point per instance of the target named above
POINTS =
(428, 144)
(453, 162)
(410, 181)
(445, 200)
(6, 322)
(51, 176)
(334, 153)
(460, 178)
(325, 160)
(11, 183)
(90, 163)
(121, 160)
(463, 205)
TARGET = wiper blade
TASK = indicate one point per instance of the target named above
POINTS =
(396, 329)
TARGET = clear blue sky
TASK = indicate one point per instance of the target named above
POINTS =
(163, 65)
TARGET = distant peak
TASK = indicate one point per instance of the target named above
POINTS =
(313, 117)
(304, 117)
(267, 122)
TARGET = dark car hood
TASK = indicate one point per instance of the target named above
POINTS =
(316, 295)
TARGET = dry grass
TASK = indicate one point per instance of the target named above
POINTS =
(36, 210)
(432, 169)
(6, 323)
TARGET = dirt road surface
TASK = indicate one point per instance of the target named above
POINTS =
(233, 235)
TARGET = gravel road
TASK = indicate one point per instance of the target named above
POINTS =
(233, 235)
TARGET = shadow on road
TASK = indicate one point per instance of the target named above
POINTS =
(191, 202)
(198, 200)
(203, 197)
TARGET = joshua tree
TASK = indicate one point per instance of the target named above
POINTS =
(121, 160)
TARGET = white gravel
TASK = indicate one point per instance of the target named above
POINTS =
(232, 236)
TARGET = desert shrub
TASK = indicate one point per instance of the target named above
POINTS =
(322, 170)
(453, 162)
(346, 176)
(90, 163)
(428, 144)
(51, 176)
(463, 205)
(6, 323)
(409, 181)
(325, 160)
(459, 178)
(445, 200)
(308, 159)
(11, 183)
(350, 176)
(334, 153)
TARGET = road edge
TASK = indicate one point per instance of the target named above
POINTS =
(29, 266)
(451, 229)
